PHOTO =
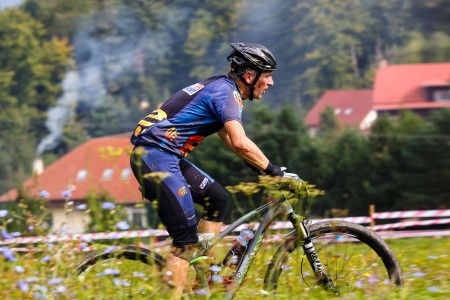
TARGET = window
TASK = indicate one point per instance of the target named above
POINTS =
(81, 175)
(107, 174)
(441, 95)
(348, 111)
(137, 217)
(337, 111)
(125, 174)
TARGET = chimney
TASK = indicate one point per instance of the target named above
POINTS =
(38, 166)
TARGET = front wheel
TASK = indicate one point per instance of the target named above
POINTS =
(358, 261)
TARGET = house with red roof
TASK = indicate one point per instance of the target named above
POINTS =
(97, 166)
(351, 108)
(421, 88)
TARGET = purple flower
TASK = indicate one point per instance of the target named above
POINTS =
(419, 274)
(123, 225)
(61, 289)
(8, 254)
(19, 269)
(119, 282)
(433, 289)
(66, 194)
(3, 213)
(16, 234)
(215, 268)
(46, 259)
(55, 281)
(44, 194)
(30, 228)
(31, 279)
(109, 271)
(108, 205)
(23, 285)
(6, 235)
(82, 207)
(372, 279)
(359, 284)
(110, 249)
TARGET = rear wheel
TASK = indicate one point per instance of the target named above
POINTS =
(122, 273)
(356, 259)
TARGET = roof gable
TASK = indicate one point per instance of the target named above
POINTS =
(90, 159)
(403, 84)
(351, 107)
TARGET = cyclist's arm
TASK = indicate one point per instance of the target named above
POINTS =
(233, 135)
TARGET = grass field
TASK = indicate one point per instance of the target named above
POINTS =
(47, 273)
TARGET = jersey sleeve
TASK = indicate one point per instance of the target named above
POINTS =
(224, 104)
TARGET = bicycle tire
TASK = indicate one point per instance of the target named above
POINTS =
(124, 273)
(376, 263)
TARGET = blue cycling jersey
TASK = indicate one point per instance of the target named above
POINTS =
(190, 115)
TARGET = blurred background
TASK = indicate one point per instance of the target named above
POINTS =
(71, 71)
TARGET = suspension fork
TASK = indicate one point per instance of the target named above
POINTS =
(311, 253)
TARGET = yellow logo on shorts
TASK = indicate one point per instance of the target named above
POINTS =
(182, 191)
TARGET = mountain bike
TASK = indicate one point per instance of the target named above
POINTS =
(332, 258)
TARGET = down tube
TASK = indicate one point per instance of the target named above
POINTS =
(250, 254)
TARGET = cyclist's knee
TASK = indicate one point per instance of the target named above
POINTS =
(184, 242)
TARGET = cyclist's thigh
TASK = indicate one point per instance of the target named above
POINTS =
(205, 191)
(171, 197)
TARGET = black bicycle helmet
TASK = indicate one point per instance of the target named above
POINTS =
(247, 56)
(251, 56)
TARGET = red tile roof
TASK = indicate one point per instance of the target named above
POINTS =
(400, 86)
(94, 156)
(354, 105)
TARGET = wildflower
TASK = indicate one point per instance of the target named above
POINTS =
(3, 213)
(372, 279)
(217, 278)
(123, 225)
(31, 279)
(433, 289)
(44, 194)
(201, 292)
(55, 281)
(82, 207)
(215, 268)
(110, 249)
(359, 284)
(30, 228)
(108, 205)
(16, 234)
(19, 269)
(6, 235)
(46, 259)
(138, 274)
(66, 194)
(119, 282)
(8, 254)
(419, 274)
(109, 271)
(23, 285)
(61, 289)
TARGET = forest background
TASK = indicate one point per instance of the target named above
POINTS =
(73, 70)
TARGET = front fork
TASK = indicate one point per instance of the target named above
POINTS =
(311, 254)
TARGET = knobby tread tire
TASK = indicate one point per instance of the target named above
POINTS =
(373, 240)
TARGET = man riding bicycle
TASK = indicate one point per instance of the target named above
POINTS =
(167, 135)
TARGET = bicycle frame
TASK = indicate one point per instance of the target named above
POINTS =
(269, 211)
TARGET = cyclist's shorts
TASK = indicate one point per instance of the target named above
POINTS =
(173, 184)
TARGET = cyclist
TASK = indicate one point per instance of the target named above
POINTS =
(170, 133)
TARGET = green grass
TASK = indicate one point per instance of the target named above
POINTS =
(48, 271)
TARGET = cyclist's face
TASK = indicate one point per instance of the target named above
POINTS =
(262, 85)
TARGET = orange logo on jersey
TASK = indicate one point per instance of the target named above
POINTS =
(171, 134)
(182, 191)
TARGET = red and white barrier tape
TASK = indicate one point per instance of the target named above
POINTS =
(277, 225)
(412, 214)
(411, 224)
